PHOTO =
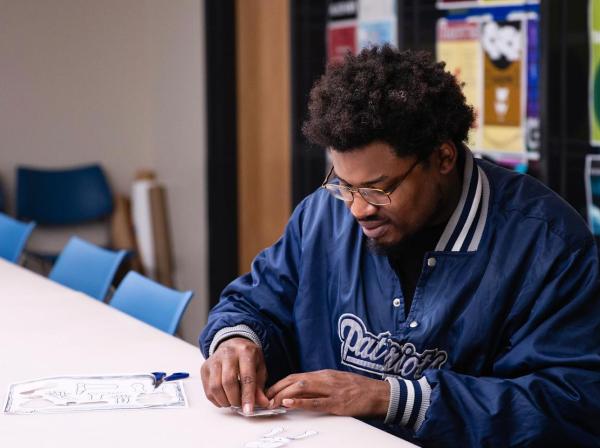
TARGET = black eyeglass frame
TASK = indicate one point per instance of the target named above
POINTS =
(364, 191)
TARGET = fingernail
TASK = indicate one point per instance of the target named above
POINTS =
(247, 408)
(271, 403)
(287, 402)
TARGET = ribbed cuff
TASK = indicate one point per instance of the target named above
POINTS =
(425, 401)
(394, 400)
(229, 332)
(409, 401)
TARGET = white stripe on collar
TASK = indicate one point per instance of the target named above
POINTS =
(449, 230)
(470, 213)
(485, 199)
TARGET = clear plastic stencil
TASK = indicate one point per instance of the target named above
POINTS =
(259, 411)
(90, 393)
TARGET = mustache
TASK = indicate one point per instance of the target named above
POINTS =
(372, 218)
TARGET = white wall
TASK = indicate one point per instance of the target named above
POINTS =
(120, 82)
(179, 136)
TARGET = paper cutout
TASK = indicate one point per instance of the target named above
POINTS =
(272, 439)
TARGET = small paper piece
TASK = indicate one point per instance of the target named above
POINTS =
(269, 440)
(274, 431)
(90, 393)
(303, 435)
(259, 411)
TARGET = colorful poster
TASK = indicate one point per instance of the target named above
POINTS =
(532, 130)
(459, 46)
(353, 25)
(341, 29)
(504, 2)
(468, 4)
(594, 86)
(342, 10)
(592, 190)
(341, 39)
(369, 10)
(503, 121)
(377, 23)
(446, 4)
(376, 33)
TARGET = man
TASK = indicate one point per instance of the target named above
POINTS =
(445, 299)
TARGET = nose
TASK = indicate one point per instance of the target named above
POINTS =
(360, 208)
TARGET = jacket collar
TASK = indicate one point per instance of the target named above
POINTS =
(467, 223)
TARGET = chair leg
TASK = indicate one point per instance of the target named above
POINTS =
(36, 264)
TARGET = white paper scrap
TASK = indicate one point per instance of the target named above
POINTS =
(274, 438)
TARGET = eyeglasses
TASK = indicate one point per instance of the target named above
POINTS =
(374, 196)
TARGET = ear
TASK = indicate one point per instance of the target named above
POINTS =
(447, 157)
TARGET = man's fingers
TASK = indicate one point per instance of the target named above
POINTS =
(230, 381)
(318, 404)
(260, 398)
(261, 378)
(281, 385)
(248, 382)
(313, 382)
(236, 375)
(215, 386)
(205, 375)
(302, 385)
(261, 375)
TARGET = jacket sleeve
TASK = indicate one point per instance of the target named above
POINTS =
(544, 388)
(259, 305)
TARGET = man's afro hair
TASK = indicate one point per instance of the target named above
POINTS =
(402, 98)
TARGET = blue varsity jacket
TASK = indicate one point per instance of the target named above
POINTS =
(503, 329)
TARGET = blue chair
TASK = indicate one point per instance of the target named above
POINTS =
(13, 236)
(151, 302)
(86, 267)
(63, 197)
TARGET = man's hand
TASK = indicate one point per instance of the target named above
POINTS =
(234, 374)
(333, 392)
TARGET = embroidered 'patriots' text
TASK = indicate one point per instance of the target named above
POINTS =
(382, 355)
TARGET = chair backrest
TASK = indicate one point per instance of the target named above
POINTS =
(151, 302)
(13, 236)
(86, 267)
(61, 197)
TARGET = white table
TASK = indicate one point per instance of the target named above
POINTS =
(49, 330)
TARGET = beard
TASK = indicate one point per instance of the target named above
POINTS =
(396, 249)
(391, 250)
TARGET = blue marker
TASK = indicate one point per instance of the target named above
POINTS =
(160, 377)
